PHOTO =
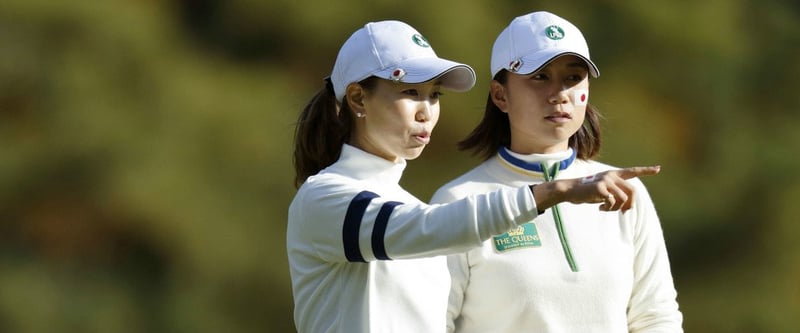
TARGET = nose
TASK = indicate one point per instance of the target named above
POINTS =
(559, 96)
(423, 112)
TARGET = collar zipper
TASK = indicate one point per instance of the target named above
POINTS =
(550, 175)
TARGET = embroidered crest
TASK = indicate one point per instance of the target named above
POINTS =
(523, 236)
(514, 65)
(419, 40)
(554, 32)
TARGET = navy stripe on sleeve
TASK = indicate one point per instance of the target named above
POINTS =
(379, 230)
(352, 224)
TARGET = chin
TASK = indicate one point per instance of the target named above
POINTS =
(413, 154)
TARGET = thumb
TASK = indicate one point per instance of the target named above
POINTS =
(632, 172)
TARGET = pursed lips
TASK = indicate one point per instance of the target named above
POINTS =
(559, 116)
(423, 136)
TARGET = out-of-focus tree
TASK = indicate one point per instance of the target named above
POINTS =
(145, 149)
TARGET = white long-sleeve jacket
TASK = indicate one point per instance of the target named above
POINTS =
(363, 252)
(522, 281)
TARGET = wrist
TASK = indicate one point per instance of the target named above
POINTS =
(539, 208)
(548, 194)
(560, 190)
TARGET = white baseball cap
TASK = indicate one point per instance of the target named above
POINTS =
(532, 41)
(395, 51)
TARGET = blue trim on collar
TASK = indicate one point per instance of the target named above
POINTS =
(537, 167)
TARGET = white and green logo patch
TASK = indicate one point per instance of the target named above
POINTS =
(419, 40)
(521, 237)
(554, 32)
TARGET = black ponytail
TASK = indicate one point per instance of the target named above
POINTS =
(319, 134)
(321, 130)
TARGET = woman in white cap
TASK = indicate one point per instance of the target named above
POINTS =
(574, 268)
(363, 251)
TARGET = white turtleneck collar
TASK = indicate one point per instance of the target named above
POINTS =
(532, 162)
(361, 165)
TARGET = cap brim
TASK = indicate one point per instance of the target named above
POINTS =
(452, 75)
(536, 61)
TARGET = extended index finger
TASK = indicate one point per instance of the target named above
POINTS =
(632, 172)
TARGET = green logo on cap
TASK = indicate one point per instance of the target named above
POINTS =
(554, 32)
(419, 40)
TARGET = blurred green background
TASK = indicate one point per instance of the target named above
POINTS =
(145, 149)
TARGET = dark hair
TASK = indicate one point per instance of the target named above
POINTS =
(321, 130)
(494, 131)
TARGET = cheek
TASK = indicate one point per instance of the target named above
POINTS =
(580, 114)
(525, 112)
(435, 112)
(394, 113)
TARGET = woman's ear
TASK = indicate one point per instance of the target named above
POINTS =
(499, 96)
(355, 98)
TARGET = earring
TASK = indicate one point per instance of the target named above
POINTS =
(360, 115)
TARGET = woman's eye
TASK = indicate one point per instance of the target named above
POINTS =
(411, 92)
(539, 76)
(576, 78)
